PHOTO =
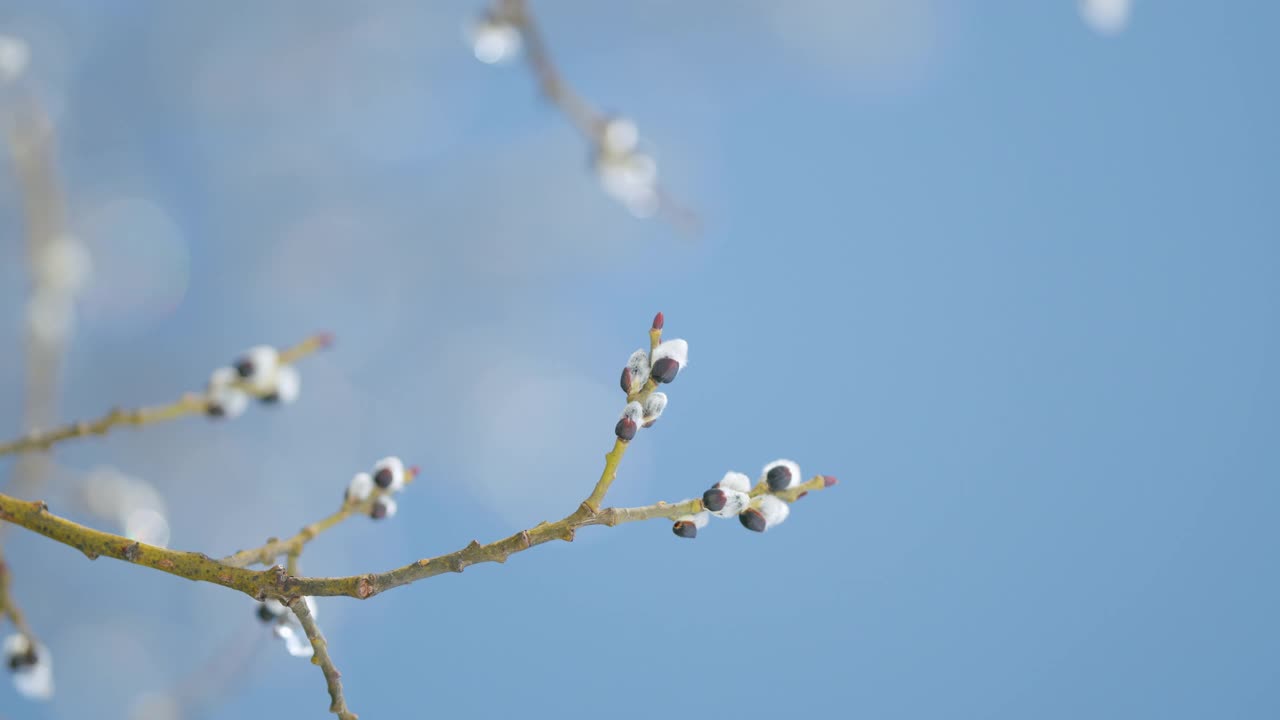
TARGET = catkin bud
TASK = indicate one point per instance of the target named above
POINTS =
(734, 481)
(383, 507)
(360, 487)
(388, 474)
(287, 386)
(257, 367)
(627, 424)
(668, 359)
(636, 374)
(31, 666)
(271, 610)
(724, 502)
(223, 399)
(781, 474)
(766, 511)
(687, 526)
(653, 407)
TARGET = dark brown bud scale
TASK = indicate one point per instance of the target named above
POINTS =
(265, 614)
(626, 380)
(244, 368)
(752, 520)
(383, 478)
(625, 429)
(714, 499)
(24, 658)
(379, 510)
(665, 370)
(270, 398)
(685, 529)
(215, 411)
(779, 478)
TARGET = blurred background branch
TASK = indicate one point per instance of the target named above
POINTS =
(625, 172)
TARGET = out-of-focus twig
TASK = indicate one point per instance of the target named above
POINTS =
(9, 607)
(591, 123)
(32, 147)
(188, 404)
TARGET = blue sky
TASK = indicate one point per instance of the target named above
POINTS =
(1012, 280)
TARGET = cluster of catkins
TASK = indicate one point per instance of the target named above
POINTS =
(284, 625)
(733, 496)
(644, 372)
(256, 373)
(388, 477)
(31, 665)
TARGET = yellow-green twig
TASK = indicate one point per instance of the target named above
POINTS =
(332, 678)
(188, 404)
(275, 582)
(292, 547)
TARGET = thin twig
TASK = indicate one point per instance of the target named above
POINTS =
(332, 678)
(291, 547)
(188, 404)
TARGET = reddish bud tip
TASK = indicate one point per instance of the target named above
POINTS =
(324, 339)
(828, 481)
(413, 471)
(657, 321)
(685, 529)
(625, 430)
(752, 520)
(625, 382)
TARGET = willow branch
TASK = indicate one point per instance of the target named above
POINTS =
(275, 582)
(332, 678)
(188, 404)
